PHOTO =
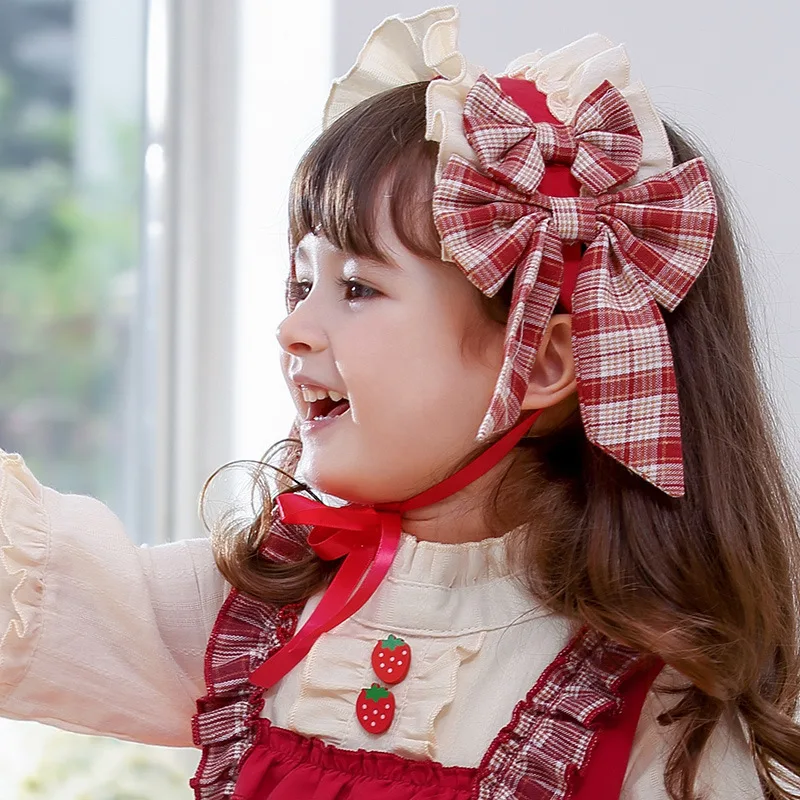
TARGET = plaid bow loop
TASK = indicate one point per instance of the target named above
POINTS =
(602, 145)
(646, 245)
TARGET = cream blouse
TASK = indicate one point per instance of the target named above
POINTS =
(100, 636)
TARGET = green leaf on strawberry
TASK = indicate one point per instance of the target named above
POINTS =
(375, 708)
(377, 692)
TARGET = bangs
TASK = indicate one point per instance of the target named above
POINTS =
(377, 148)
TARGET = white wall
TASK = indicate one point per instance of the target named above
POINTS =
(286, 69)
(726, 69)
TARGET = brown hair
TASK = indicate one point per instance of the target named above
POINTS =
(708, 582)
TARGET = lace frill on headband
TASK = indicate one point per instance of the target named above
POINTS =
(402, 51)
(405, 50)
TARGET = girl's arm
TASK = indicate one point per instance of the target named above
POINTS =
(727, 770)
(98, 635)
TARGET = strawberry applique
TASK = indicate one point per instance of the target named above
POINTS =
(375, 708)
(391, 659)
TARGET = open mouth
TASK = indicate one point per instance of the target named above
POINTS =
(327, 408)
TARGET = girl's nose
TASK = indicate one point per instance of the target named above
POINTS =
(299, 335)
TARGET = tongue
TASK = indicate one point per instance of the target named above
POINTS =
(338, 409)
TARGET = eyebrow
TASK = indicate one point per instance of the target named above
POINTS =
(299, 251)
(384, 264)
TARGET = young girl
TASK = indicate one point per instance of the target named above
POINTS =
(557, 557)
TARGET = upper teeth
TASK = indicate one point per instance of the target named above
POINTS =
(311, 395)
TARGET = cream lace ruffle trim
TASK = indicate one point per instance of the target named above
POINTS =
(337, 667)
(406, 50)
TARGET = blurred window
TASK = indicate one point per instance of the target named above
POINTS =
(71, 83)
(72, 78)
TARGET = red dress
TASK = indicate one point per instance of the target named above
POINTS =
(569, 739)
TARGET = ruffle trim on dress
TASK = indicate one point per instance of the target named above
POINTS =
(333, 682)
(433, 688)
(246, 633)
(540, 754)
(448, 566)
(546, 747)
(24, 551)
(370, 763)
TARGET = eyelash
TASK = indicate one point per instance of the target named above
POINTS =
(294, 292)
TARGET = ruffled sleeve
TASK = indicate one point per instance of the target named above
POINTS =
(97, 635)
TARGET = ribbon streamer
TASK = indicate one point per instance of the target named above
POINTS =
(368, 538)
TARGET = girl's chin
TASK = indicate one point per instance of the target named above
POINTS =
(355, 488)
(327, 479)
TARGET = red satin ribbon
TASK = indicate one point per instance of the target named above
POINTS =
(368, 538)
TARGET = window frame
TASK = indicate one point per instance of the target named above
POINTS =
(181, 403)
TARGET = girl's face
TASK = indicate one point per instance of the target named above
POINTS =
(390, 338)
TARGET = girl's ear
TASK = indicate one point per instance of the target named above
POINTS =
(553, 375)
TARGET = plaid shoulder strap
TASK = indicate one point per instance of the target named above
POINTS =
(570, 738)
(246, 633)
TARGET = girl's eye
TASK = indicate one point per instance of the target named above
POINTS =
(353, 290)
(295, 292)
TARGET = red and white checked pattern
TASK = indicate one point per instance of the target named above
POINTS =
(646, 244)
(543, 750)
(246, 633)
(539, 755)
(603, 145)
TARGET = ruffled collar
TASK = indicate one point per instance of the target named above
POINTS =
(446, 565)
(451, 565)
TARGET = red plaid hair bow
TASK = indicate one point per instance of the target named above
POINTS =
(602, 146)
(645, 245)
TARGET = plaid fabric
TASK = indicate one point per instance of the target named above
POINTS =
(541, 753)
(538, 755)
(286, 543)
(603, 145)
(246, 633)
(646, 244)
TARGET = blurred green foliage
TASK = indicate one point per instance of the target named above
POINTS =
(92, 768)
(69, 257)
(68, 265)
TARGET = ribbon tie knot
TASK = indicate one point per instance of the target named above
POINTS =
(367, 538)
(557, 143)
(574, 218)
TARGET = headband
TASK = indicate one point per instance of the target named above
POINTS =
(558, 174)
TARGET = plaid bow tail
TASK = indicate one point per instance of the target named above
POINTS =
(655, 240)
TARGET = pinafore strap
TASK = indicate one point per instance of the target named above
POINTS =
(246, 632)
(589, 697)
